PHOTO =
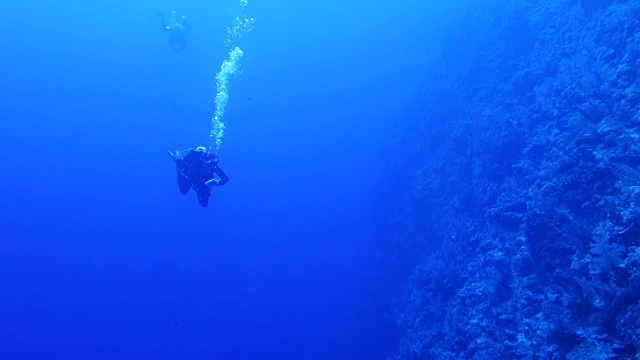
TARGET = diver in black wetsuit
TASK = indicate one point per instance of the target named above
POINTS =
(177, 27)
(196, 170)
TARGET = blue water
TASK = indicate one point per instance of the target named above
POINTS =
(408, 180)
(103, 258)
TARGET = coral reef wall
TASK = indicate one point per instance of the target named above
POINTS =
(521, 168)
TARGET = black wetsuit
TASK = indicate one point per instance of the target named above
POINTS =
(197, 170)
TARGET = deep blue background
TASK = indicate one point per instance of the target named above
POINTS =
(99, 253)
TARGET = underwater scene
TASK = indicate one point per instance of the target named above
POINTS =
(320, 180)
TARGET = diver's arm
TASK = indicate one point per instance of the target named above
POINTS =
(223, 177)
(218, 182)
(163, 22)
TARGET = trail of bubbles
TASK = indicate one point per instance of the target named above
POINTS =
(228, 70)
(241, 26)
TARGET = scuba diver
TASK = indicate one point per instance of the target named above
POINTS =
(196, 170)
(177, 27)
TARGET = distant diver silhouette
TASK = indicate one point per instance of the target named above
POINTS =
(196, 169)
(177, 27)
